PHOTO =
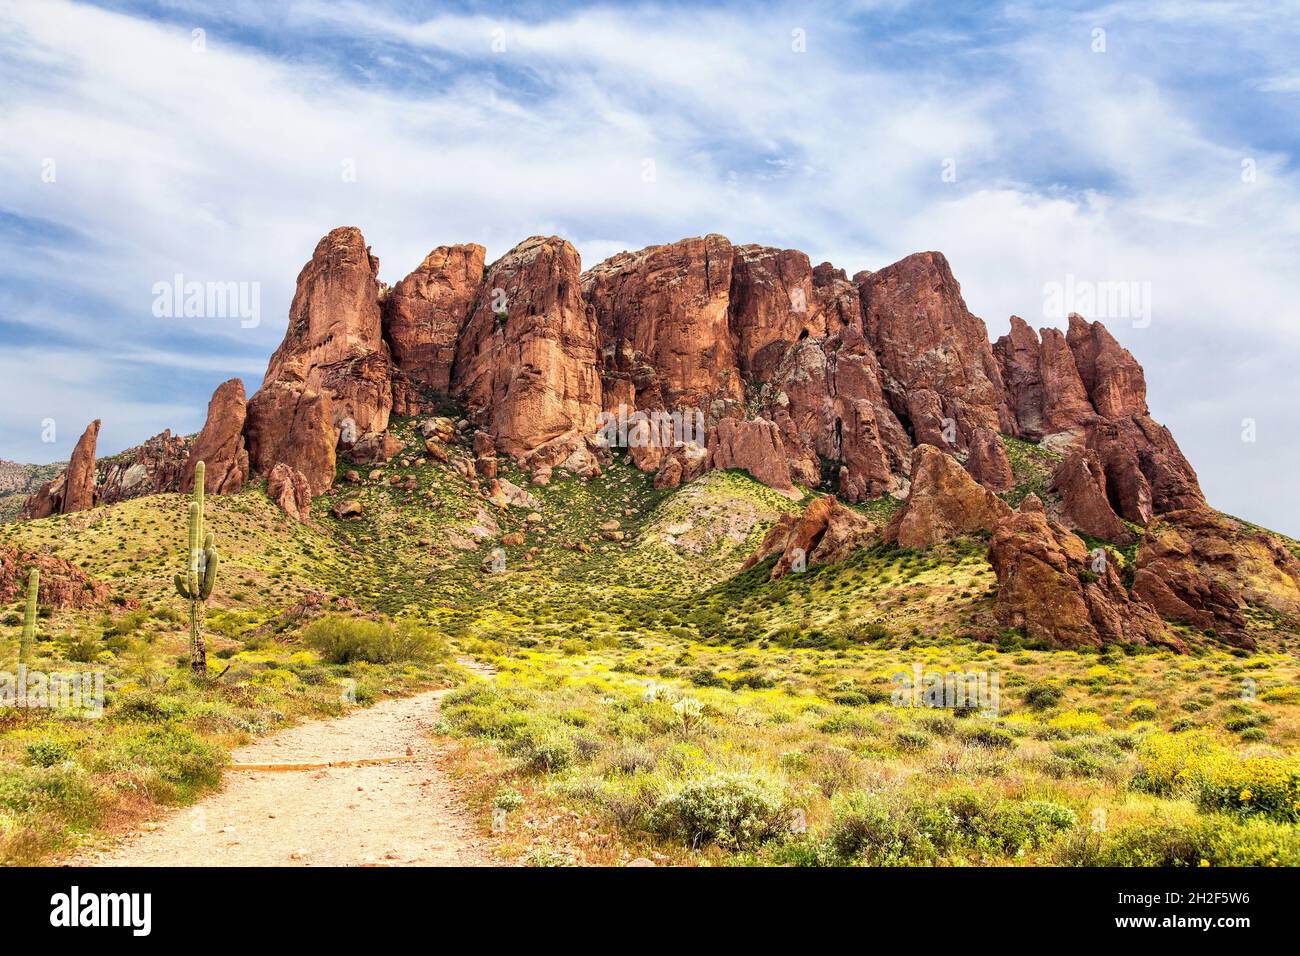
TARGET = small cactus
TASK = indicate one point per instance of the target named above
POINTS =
(29, 618)
(195, 584)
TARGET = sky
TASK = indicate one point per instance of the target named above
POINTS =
(1139, 162)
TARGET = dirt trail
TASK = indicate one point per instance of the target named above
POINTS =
(402, 811)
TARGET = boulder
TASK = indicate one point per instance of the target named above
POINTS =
(291, 492)
(753, 446)
(220, 445)
(944, 502)
(825, 531)
(1054, 590)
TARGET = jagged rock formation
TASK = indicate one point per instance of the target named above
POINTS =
(334, 343)
(155, 466)
(1204, 569)
(220, 445)
(74, 490)
(1084, 389)
(423, 315)
(798, 374)
(935, 354)
(1050, 587)
(825, 531)
(944, 502)
(1080, 482)
(526, 362)
(290, 491)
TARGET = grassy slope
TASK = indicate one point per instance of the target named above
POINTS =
(791, 678)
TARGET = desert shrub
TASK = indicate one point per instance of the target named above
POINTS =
(47, 753)
(734, 811)
(340, 639)
(909, 739)
(1190, 840)
(1043, 696)
(987, 736)
(82, 649)
(1141, 710)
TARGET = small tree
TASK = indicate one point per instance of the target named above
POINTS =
(195, 584)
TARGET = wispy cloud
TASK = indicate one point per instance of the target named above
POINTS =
(1158, 159)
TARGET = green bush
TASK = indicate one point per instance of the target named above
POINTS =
(734, 811)
(47, 753)
(1043, 696)
(340, 639)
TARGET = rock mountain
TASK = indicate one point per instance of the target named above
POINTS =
(879, 383)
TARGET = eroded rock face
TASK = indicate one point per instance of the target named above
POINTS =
(753, 446)
(927, 339)
(987, 461)
(1048, 587)
(526, 362)
(220, 445)
(62, 585)
(1114, 380)
(154, 466)
(944, 502)
(424, 313)
(334, 343)
(292, 424)
(1202, 568)
(79, 490)
(1080, 483)
(827, 400)
(1145, 469)
(74, 490)
(773, 305)
(663, 319)
(290, 491)
(825, 531)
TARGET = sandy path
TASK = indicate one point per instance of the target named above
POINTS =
(398, 812)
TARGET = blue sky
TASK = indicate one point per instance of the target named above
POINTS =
(1072, 155)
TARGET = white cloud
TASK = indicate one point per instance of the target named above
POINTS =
(227, 165)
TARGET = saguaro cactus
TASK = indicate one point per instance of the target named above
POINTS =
(29, 619)
(196, 583)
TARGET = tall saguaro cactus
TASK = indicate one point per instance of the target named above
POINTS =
(196, 583)
(29, 619)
